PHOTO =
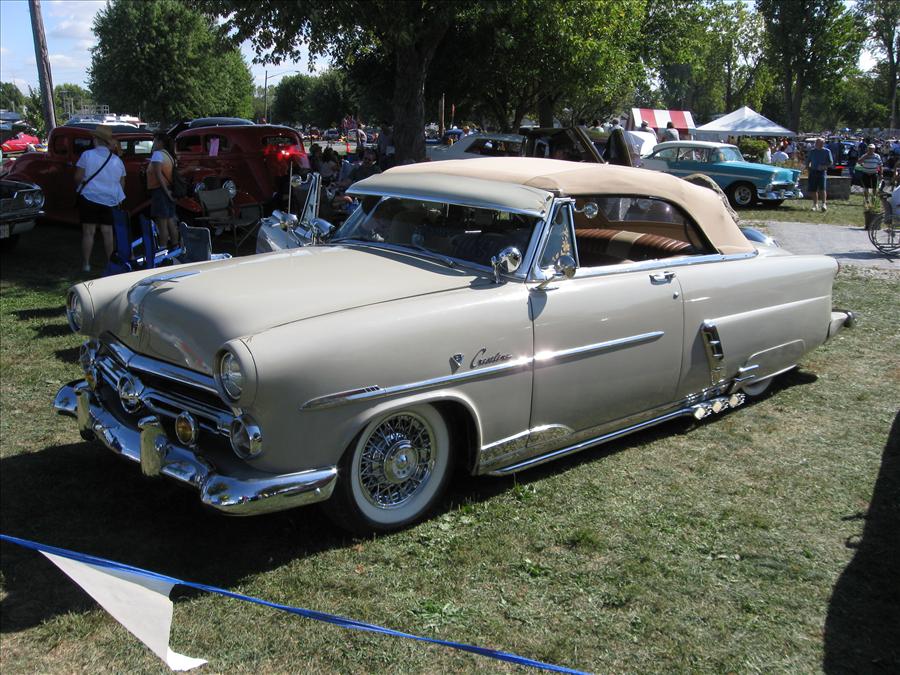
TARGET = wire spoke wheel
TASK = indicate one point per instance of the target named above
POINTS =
(394, 472)
(397, 460)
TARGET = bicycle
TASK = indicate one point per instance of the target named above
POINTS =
(884, 228)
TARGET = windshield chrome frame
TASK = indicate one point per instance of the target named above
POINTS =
(519, 275)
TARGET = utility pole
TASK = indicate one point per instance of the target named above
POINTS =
(266, 88)
(43, 63)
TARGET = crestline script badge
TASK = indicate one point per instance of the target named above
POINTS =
(481, 360)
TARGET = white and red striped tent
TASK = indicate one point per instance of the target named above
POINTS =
(659, 119)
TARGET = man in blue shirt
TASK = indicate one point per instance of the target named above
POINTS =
(818, 161)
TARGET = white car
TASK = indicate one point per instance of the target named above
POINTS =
(478, 145)
(483, 316)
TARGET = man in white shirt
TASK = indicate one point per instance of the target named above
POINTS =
(100, 185)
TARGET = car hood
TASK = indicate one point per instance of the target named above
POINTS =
(185, 314)
(786, 175)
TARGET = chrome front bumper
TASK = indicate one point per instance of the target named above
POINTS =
(250, 494)
(779, 194)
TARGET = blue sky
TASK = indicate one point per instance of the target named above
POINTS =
(67, 24)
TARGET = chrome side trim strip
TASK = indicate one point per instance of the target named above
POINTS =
(608, 345)
(374, 391)
(131, 359)
(686, 261)
(562, 452)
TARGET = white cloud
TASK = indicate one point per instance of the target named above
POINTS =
(72, 28)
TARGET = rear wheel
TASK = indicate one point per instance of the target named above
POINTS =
(394, 473)
(757, 388)
(741, 194)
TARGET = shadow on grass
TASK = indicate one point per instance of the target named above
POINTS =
(862, 629)
(40, 313)
(68, 355)
(45, 258)
(84, 498)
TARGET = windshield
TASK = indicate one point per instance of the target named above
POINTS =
(727, 155)
(465, 233)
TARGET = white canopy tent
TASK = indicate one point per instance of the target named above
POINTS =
(742, 122)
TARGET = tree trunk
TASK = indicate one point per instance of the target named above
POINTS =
(545, 111)
(796, 106)
(409, 106)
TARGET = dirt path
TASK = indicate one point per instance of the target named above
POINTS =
(849, 245)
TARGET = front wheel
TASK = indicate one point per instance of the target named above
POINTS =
(394, 472)
(741, 194)
(884, 234)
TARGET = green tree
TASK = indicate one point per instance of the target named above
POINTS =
(163, 60)
(810, 45)
(408, 30)
(882, 21)
(11, 97)
(582, 60)
(290, 102)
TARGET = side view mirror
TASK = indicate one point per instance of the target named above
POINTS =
(507, 261)
(563, 269)
(322, 228)
(286, 220)
(590, 210)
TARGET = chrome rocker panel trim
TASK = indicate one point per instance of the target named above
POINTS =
(240, 496)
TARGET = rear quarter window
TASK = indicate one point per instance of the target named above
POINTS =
(189, 144)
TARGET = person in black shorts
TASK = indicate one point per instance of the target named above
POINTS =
(100, 186)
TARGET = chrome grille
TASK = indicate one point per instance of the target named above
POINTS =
(113, 363)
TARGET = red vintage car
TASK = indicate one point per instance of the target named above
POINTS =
(17, 141)
(54, 169)
(252, 161)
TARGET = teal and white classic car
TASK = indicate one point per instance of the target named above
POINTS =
(744, 182)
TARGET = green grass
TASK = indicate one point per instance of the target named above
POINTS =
(738, 545)
(840, 212)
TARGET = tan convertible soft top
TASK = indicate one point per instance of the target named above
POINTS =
(581, 180)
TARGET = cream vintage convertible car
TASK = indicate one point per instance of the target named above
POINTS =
(492, 315)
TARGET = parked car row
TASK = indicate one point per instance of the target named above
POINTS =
(252, 161)
(486, 316)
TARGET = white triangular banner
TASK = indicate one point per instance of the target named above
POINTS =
(138, 602)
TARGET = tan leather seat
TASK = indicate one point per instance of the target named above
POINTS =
(623, 245)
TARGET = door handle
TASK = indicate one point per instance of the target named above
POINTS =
(662, 277)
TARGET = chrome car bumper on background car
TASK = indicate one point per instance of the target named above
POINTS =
(251, 493)
(778, 194)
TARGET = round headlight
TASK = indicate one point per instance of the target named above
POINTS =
(74, 311)
(231, 376)
(231, 187)
(28, 198)
(246, 437)
(38, 198)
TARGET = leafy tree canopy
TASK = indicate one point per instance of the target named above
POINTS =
(11, 97)
(163, 60)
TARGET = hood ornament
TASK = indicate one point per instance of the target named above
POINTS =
(135, 324)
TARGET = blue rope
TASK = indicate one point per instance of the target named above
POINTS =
(308, 613)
